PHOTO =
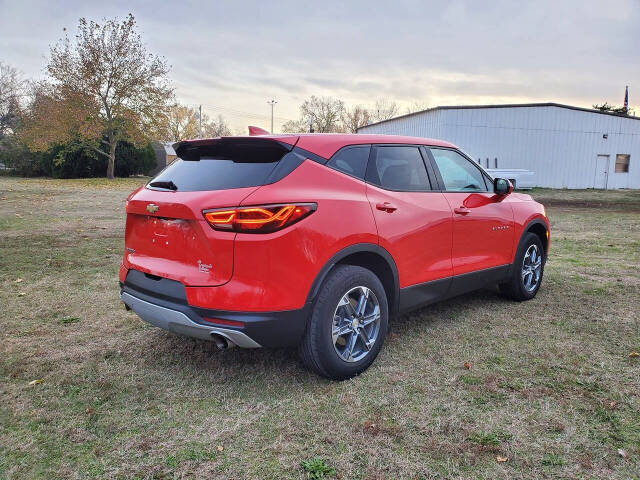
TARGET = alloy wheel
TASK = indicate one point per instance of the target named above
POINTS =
(531, 268)
(356, 324)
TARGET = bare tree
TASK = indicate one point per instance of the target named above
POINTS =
(355, 117)
(106, 84)
(181, 123)
(12, 90)
(295, 126)
(384, 110)
(325, 112)
(417, 106)
(217, 127)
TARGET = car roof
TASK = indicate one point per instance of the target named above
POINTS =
(326, 144)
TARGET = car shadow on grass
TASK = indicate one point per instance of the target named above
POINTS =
(164, 350)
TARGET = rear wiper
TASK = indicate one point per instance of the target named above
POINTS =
(168, 185)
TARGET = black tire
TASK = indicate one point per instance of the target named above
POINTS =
(515, 288)
(317, 347)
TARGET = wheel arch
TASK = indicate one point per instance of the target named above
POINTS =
(538, 227)
(370, 256)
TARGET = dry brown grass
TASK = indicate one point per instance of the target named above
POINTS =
(551, 385)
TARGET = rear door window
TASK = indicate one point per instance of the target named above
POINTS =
(351, 160)
(398, 168)
(226, 165)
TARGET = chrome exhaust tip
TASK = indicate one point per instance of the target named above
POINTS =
(221, 342)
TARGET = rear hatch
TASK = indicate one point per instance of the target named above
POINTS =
(166, 232)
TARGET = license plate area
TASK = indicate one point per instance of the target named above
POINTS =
(186, 250)
(170, 232)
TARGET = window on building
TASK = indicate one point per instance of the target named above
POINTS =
(622, 162)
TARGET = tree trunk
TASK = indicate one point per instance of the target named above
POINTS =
(113, 142)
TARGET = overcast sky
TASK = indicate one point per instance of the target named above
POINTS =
(232, 57)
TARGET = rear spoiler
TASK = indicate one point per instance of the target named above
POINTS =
(253, 131)
(193, 149)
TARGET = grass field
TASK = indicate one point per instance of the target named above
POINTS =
(89, 391)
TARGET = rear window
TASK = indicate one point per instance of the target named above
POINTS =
(226, 165)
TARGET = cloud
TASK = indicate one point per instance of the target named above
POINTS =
(234, 56)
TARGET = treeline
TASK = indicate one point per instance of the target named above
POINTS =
(105, 98)
(332, 115)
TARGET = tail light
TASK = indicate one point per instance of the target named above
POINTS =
(258, 219)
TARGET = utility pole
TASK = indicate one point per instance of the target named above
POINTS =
(200, 120)
(272, 103)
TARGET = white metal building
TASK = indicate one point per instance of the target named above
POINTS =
(566, 147)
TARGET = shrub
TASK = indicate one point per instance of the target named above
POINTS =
(75, 159)
(132, 160)
(19, 160)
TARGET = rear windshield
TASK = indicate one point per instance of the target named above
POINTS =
(221, 166)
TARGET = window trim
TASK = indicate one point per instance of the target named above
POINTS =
(488, 179)
(374, 148)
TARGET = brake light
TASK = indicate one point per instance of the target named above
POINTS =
(258, 219)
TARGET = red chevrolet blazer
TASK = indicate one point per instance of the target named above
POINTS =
(317, 241)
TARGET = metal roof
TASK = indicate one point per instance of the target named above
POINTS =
(507, 105)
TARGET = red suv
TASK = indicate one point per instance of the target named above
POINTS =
(317, 241)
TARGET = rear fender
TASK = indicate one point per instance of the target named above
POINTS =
(337, 258)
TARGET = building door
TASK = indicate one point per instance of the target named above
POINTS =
(602, 172)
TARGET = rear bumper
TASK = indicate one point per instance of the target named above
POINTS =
(177, 322)
(162, 303)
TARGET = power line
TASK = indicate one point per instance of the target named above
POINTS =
(237, 113)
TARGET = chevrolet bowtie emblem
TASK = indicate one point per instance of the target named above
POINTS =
(151, 208)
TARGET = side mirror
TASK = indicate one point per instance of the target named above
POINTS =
(502, 186)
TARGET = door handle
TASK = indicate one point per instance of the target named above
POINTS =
(461, 210)
(386, 207)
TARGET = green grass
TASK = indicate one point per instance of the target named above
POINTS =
(66, 320)
(318, 468)
(551, 386)
(488, 439)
